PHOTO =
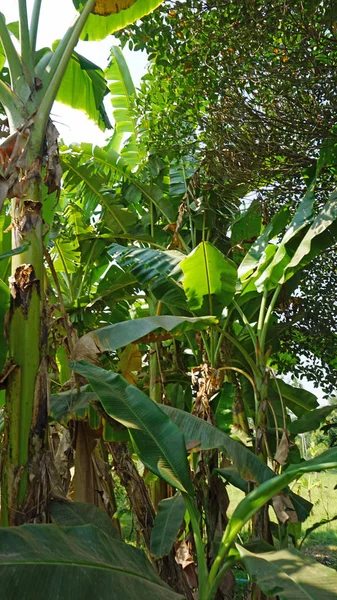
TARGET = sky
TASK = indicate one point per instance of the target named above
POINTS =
(56, 17)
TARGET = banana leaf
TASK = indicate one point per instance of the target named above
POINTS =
(49, 561)
(208, 274)
(289, 574)
(157, 440)
(204, 436)
(167, 523)
(116, 336)
(113, 15)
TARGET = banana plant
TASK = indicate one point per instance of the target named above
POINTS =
(160, 436)
(30, 170)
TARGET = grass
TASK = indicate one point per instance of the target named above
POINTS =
(319, 489)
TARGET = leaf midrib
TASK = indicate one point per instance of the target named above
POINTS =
(145, 429)
(78, 564)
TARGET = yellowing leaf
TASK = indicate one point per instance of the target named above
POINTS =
(130, 362)
(111, 7)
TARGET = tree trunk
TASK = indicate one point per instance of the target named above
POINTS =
(25, 483)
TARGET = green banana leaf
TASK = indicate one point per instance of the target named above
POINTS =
(146, 264)
(298, 400)
(17, 250)
(99, 27)
(305, 238)
(116, 336)
(122, 93)
(247, 225)
(84, 87)
(264, 492)
(91, 160)
(223, 404)
(77, 406)
(157, 440)
(66, 256)
(231, 475)
(256, 254)
(71, 405)
(167, 523)
(312, 420)
(158, 270)
(80, 513)
(208, 273)
(204, 436)
(303, 217)
(321, 235)
(82, 171)
(49, 561)
(2, 57)
(289, 574)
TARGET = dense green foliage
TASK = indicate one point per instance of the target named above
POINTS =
(185, 266)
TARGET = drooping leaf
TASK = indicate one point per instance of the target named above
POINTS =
(81, 513)
(298, 400)
(39, 561)
(264, 492)
(116, 167)
(206, 437)
(118, 335)
(67, 256)
(130, 361)
(224, 407)
(159, 443)
(247, 225)
(208, 273)
(231, 474)
(158, 270)
(289, 574)
(167, 523)
(118, 13)
(256, 253)
(83, 87)
(122, 96)
(71, 405)
(316, 239)
(273, 273)
(145, 263)
(311, 420)
(14, 251)
(119, 219)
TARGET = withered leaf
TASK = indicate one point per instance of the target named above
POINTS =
(283, 448)
(110, 7)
